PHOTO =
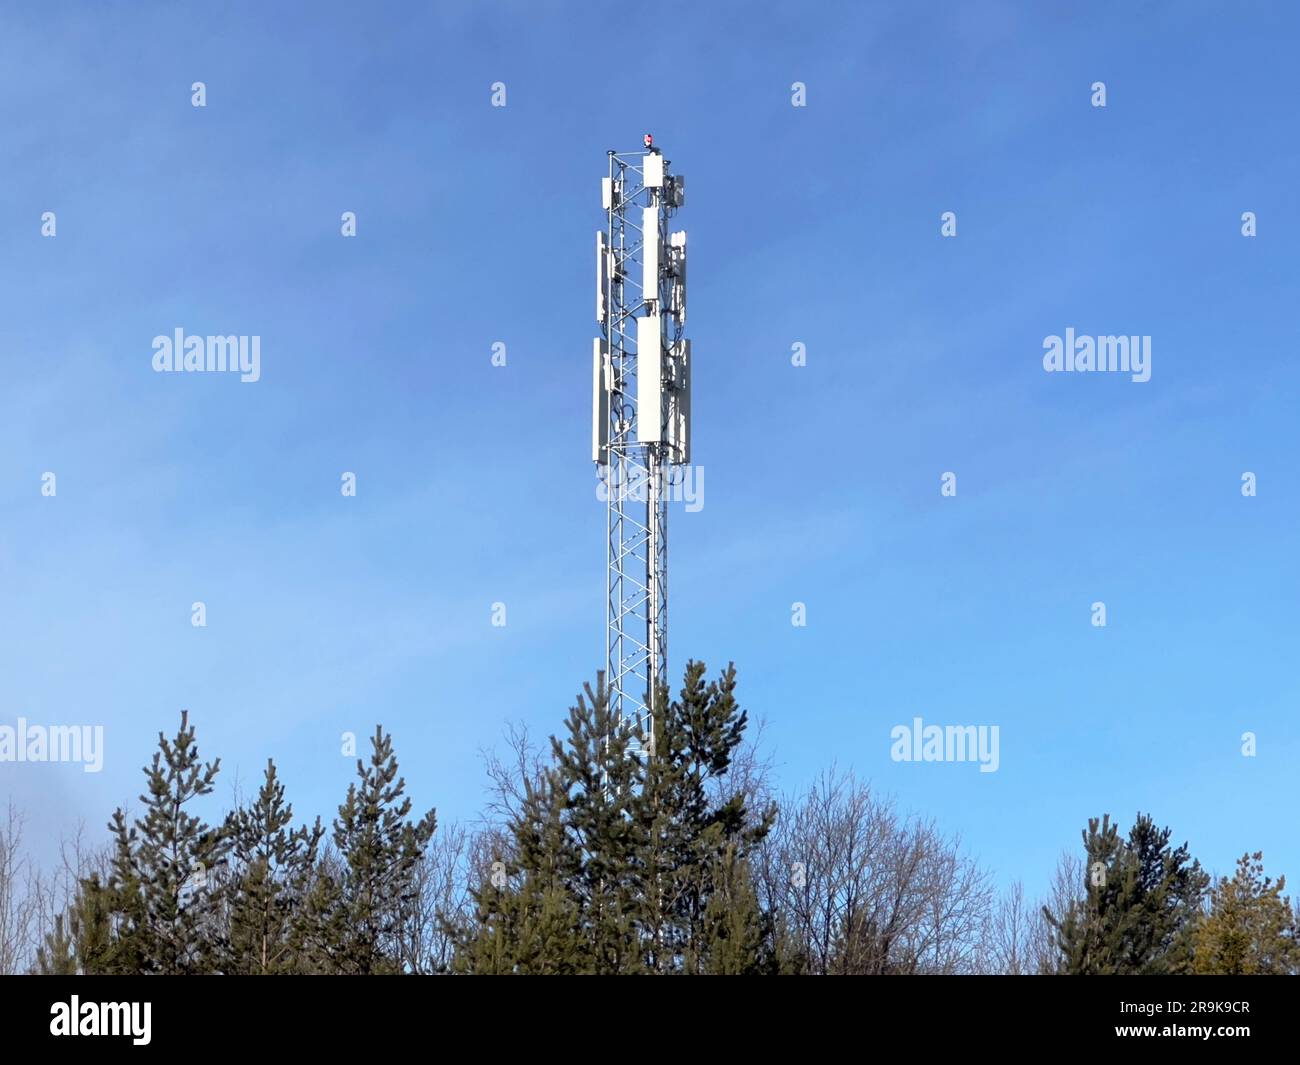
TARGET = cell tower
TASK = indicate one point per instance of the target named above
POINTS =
(641, 409)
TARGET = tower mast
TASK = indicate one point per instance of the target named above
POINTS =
(640, 418)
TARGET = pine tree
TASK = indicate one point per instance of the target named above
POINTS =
(595, 784)
(526, 922)
(1083, 930)
(58, 955)
(367, 901)
(320, 935)
(1138, 908)
(254, 895)
(738, 937)
(560, 895)
(1169, 891)
(273, 871)
(695, 846)
(621, 863)
(83, 940)
(159, 909)
(110, 916)
(1250, 929)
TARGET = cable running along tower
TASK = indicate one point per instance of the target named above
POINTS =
(641, 408)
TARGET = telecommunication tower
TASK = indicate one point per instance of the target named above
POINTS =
(641, 411)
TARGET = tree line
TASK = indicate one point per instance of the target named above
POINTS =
(592, 858)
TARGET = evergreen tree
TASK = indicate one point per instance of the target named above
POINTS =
(366, 901)
(737, 936)
(1138, 907)
(58, 955)
(159, 908)
(561, 897)
(695, 846)
(1250, 929)
(526, 922)
(111, 916)
(319, 933)
(1169, 891)
(169, 905)
(1082, 929)
(83, 940)
(619, 861)
(273, 870)
(595, 784)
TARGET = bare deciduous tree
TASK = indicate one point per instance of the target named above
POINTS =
(1009, 940)
(855, 887)
(32, 900)
(440, 896)
(1066, 890)
(17, 909)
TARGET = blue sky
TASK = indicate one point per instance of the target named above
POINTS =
(818, 225)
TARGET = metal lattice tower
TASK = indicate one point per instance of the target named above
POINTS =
(640, 417)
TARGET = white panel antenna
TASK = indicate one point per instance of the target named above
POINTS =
(679, 406)
(650, 253)
(654, 171)
(649, 380)
(600, 389)
(602, 277)
(677, 272)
